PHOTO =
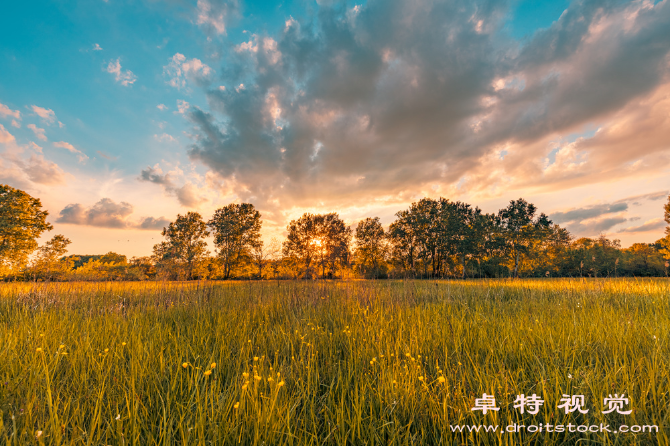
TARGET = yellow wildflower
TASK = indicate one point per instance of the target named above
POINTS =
(38, 349)
(245, 375)
(61, 346)
(123, 344)
(213, 365)
(441, 379)
(106, 350)
(185, 364)
(237, 404)
(257, 378)
(208, 372)
(255, 358)
(281, 383)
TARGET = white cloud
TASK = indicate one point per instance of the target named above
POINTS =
(5, 136)
(212, 14)
(165, 138)
(97, 47)
(6, 111)
(47, 115)
(162, 107)
(180, 69)
(39, 133)
(69, 147)
(16, 124)
(124, 77)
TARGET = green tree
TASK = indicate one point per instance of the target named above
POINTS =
(184, 248)
(371, 247)
(318, 239)
(665, 242)
(520, 230)
(237, 233)
(22, 220)
(50, 262)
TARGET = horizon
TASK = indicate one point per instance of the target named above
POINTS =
(120, 115)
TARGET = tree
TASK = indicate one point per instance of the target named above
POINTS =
(520, 230)
(321, 239)
(666, 241)
(262, 254)
(22, 220)
(50, 262)
(237, 232)
(184, 248)
(371, 246)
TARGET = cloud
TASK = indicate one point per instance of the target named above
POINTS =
(6, 111)
(97, 47)
(105, 214)
(587, 212)
(648, 226)
(155, 175)
(164, 137)
(39, 133)
(212, 15)
(162, 107)
(106, 156)
(180, 69)
(5, 136)
(188, 195)
(108, 214)
(70, 148)
(47, 115)
(154, 223)
(126, 78)
(42, 171)
(395, 98)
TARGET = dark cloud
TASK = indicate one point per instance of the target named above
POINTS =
(652, 225)
(155, 175)
(105, 213)
(595, 227)
(108, 214)
(187, 195)
(636, 199)
(154, 223)
(387, 97)
(587, 212)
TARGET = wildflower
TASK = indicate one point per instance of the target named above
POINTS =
(420, 378)
(61, 346)
(185, 364)
(208, 372)
(460, 363)
(441, 379)
(123, 344)
(38, 349)
(41, 336)
(237, 404)
(281, 383)
(38, 434)
(394, 382)
(569, 376)
(244, 387)
(118, 417)
(270, 379)
(255, 358)
(106, 350)
(245, 375)
(257, 378)
(372, 363)
(213, 365)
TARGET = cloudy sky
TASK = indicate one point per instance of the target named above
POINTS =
(121, 114)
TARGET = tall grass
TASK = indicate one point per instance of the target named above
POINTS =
(335, 363)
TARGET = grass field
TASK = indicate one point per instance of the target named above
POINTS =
(334, 363)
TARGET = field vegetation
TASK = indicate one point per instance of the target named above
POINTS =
(328, 362)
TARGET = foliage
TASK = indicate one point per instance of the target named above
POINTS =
(49, 264)
(237, 232)
(371, 248)
(22, 220)
(182, 254)
(320, 240)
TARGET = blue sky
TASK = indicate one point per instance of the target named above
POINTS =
(359, 108)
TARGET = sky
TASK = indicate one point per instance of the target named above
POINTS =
(121, 114)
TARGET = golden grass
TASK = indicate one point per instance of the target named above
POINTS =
(297, 363)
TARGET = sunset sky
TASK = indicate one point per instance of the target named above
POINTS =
(121, 114)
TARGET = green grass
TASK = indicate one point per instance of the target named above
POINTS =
(387, 362)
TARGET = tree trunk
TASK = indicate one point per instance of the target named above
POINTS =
(463, 257)
(516, 266)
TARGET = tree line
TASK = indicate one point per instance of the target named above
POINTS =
(433, 238)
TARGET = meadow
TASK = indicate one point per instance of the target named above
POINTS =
(329, 362)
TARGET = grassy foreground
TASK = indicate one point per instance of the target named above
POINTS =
(332, 363)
